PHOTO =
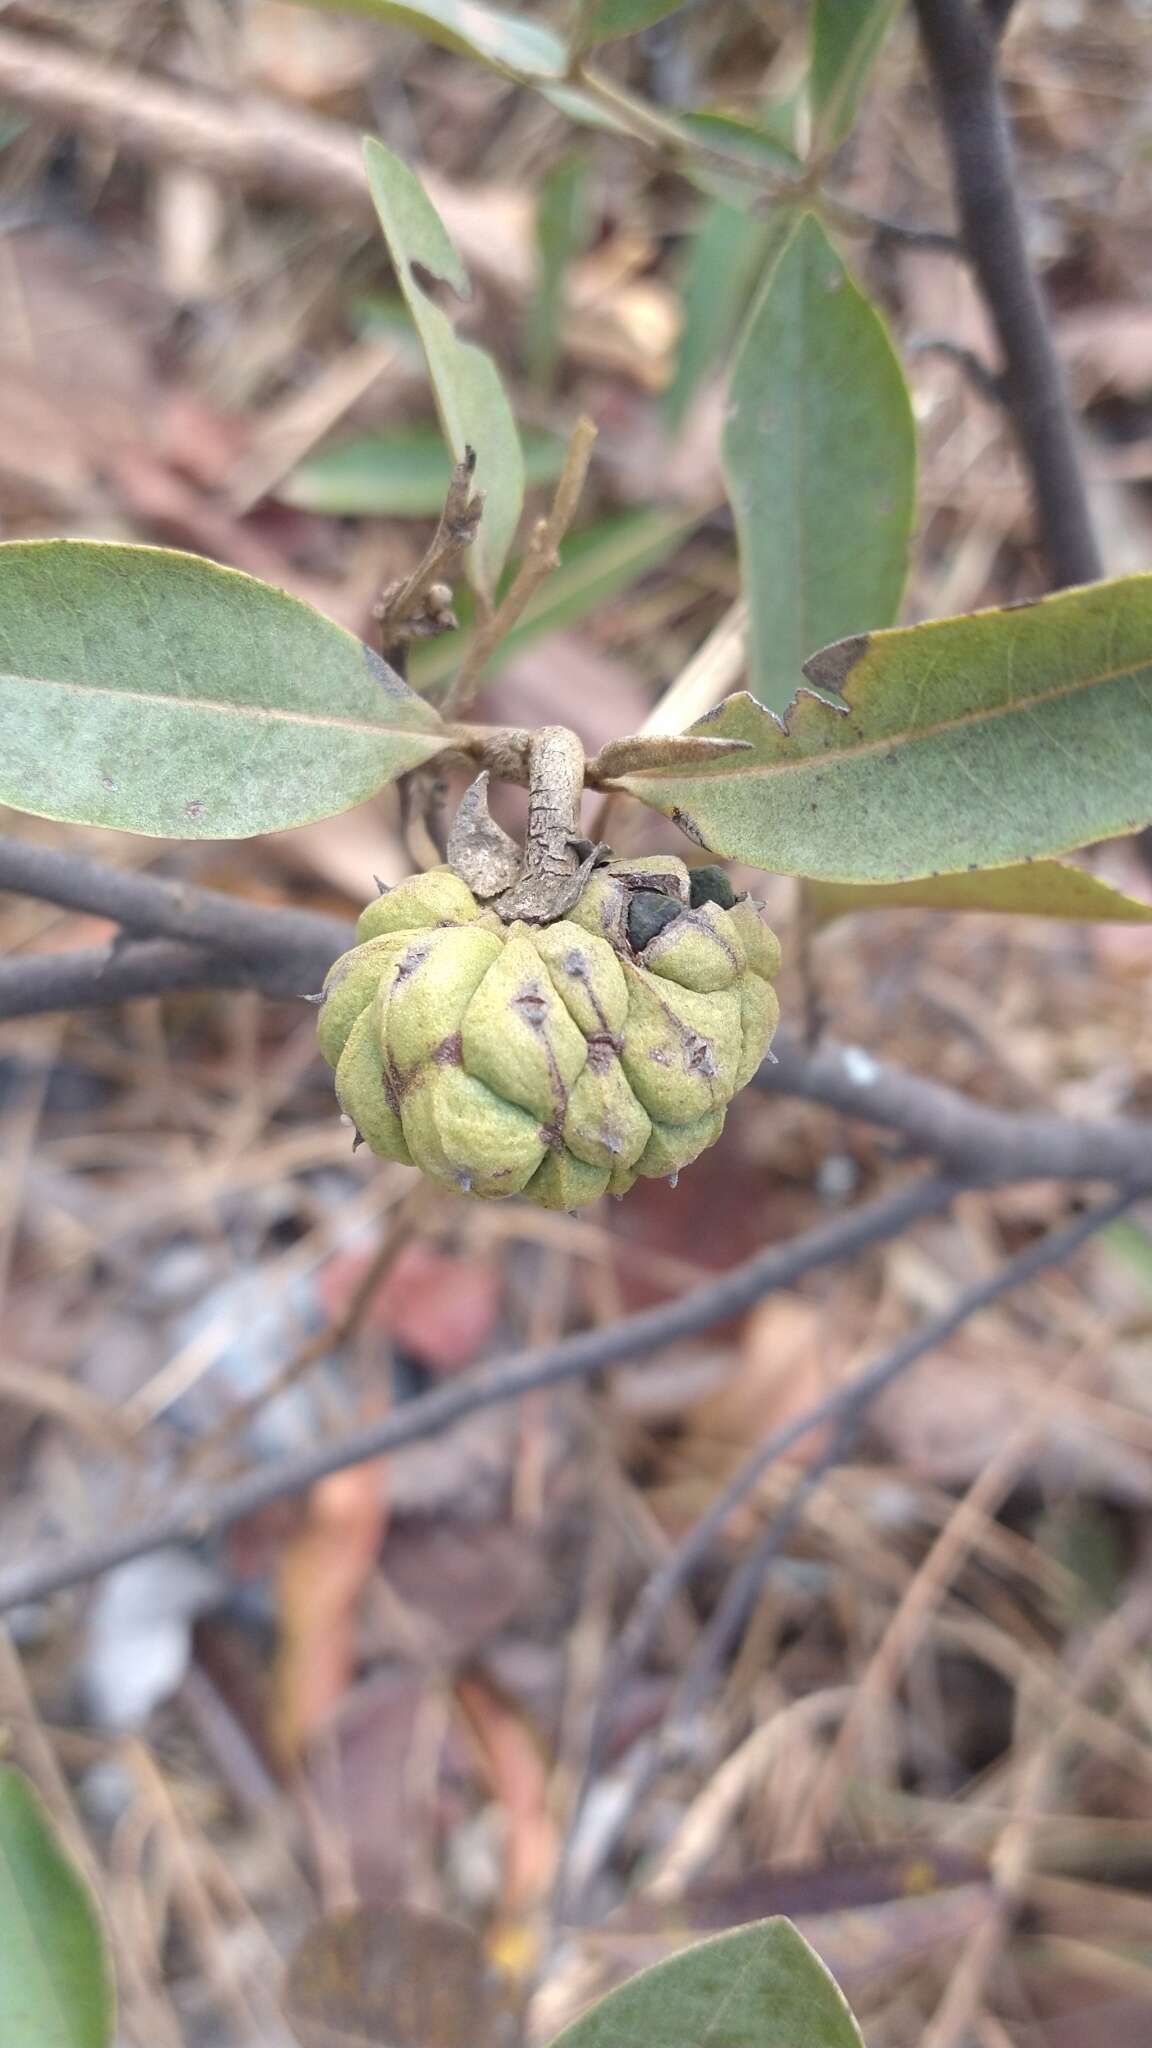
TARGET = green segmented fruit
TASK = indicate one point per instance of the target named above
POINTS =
(559, 1062)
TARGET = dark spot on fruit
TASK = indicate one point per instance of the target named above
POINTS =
(711, 885)
(649, 912)
(194, 809)
(408, 962)
(533, 1007)
(394, 1085)
(701, 1059)
(602, 1050)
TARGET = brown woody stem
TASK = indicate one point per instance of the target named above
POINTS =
(551, 841)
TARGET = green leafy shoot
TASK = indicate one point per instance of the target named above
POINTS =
(820, 455)
(474, 411)
(55, 1976)
(979, 742)
(153, 692)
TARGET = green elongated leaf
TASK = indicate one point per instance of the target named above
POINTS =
(986, 740)
(728, 253)
(604, 21)
(154, 692)
(507, 42)
(1042, 888)
(820, 455)
(470, 399)
(847, 36)
(597, 565)
(55, 1978)
(397, 475)
(561, 233)
(758, 1987)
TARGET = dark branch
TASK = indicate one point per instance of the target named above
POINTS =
(287, 952)
(842, 1412)
(151, 907)
(204, 1508)
(960, 44)
(99, 978)
(988, 1147)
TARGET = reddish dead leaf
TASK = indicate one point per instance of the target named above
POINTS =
(440, 1307)
(725, 1207)
(321, 1579)
(517, 1775)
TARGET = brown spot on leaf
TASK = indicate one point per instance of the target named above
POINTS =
(194, 808)
(449, 1052)
(830, 668)
(688, 825)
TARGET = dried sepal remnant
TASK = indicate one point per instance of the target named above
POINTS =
(560, 1062)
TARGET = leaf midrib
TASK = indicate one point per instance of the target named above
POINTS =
(221, 707)
(906, 738)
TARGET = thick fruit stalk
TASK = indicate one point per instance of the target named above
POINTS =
(560, 1061)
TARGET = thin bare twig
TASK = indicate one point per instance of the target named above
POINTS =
(100, 978)
(157, 907)
(843, 1411)
(987, 383)
(1104, 1653)
(541, 558)
(419, 607)
(854, 221)
(960, 43)
(988, 1147)
(200, 1510)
